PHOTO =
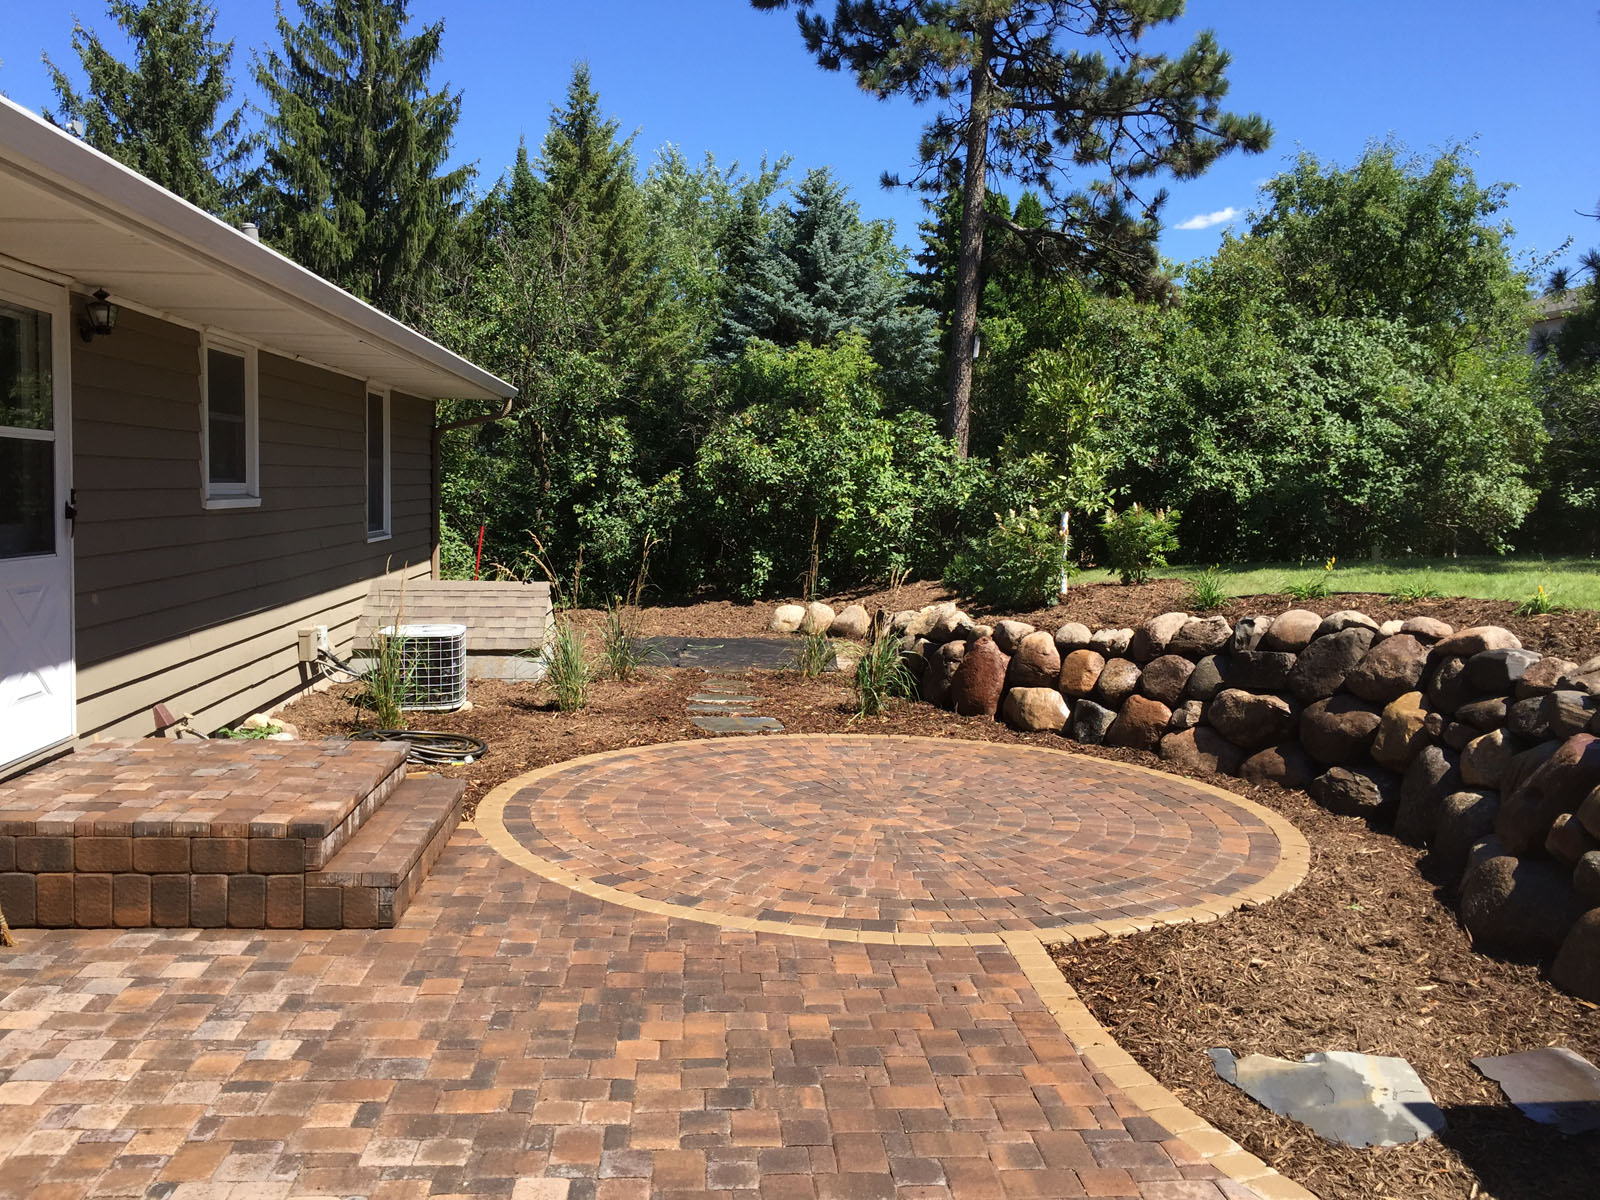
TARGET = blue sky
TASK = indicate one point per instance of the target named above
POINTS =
(717, 75)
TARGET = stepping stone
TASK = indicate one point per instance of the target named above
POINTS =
(1352, 1099)
(1552, 1086)
(737, 724)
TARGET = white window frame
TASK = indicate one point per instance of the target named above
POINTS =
(383, 392)
(231, 495)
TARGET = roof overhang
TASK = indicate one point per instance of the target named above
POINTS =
(73, 214)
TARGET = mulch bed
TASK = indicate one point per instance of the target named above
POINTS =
(1365, 955)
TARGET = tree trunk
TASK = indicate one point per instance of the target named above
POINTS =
(974, 195)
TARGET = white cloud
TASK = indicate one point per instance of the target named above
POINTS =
(1207, 220)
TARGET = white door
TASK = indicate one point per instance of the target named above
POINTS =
(37, 672)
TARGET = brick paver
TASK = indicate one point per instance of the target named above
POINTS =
(517, 1038)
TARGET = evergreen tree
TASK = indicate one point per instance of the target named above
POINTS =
(166, 114)
(1025, 89)
(819, 272)
(354, 183)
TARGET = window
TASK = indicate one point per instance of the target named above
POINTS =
(229, 438)
(377, 465)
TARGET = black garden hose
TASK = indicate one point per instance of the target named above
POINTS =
(430, 748)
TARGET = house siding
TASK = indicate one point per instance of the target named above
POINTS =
(198, 608)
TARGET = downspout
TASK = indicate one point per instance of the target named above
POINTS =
(437, 444)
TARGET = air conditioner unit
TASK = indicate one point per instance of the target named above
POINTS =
(434, 659)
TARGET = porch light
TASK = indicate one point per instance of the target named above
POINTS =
(100, 316)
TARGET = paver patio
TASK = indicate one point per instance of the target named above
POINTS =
(516, 1036)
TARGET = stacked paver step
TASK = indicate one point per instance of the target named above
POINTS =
(239, 834)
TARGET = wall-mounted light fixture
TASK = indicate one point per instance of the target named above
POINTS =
(99, 316)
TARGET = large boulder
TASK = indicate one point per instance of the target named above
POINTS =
(1402, 732)
(852, 622)
(1150, 639)
(1465, 643)
(1568, 841)
(1558, 786)
(818, 618)
(1036, 710)
(1576, 968)
(1089, 723)
(1391, 668)
(1164, 678)
(1112, 643)
(1524, 907)
(1140, 724)
(1201, 751)
(1369, 792)
(1080, 671)
(1321, 669)
(1291, 631)
(1072, 636)
(1201, 636)
(1496, 672)
(980, 680)
(1250, 720)
(1118, 681)
(1035, 663)
(786, 618)
(1008, 635)
(1426, 629)
(1247, 634)
(1432, 776)
(1447, 686)
(1287, 765)
(1260, 670)
(1207, 678)
(1487, 758)
(1484, 715)
(1339, 731)
(1464, 819)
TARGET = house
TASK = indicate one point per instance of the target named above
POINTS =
(238, 458)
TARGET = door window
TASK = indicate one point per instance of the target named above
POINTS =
(27, 434)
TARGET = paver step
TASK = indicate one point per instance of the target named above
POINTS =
(370, 882)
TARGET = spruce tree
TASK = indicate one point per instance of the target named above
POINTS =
(1037, 90)
(165, 114)
(818, 272)
(354, 179)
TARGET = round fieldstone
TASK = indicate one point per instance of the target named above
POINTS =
(1497, 671)
(1432, 775)
(1402, 732)
(1345, 618)
(1201, 751)
(1247, 634)
(1164, 678)
(1321, 668)
(1291, 631)
(1520, 906)
(1249, 720)
(1369, 792)
(1391, 668)
(1036, 710)
(1140, 724)
(1089, 723)
(1206, 679)
(1288, 766)
(1465, 818)
(1260, 670)
(1118, 681)
(1008, 635)
(1487, 758)
(1576, 968)
(1484, 715)
(1150, 639)
(980, 680)
(1112, 643)
(1339, 731)
(1080, 671)
(1036, 662)
(1072, 636)
(1201, 636)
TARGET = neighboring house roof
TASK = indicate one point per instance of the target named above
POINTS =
(84, 218)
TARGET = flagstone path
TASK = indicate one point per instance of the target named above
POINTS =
(556, 1018)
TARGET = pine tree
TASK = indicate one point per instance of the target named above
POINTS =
(354, 182)
(1026, 90)
(818, 272)
(166, 114)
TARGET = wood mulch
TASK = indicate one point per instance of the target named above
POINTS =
(1365, 955)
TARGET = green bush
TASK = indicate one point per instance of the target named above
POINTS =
(1016, 565)
(1138, 540)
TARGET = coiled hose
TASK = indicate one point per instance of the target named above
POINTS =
(430, 748)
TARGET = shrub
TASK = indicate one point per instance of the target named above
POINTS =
(1138, 540)
(1208, 590)
(568, 672)
(1017, 564)
(880, 674)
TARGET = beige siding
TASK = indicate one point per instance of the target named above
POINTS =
(198, 609)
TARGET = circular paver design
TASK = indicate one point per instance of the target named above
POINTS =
(893, 834)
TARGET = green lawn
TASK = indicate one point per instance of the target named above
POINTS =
(1570, 582)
